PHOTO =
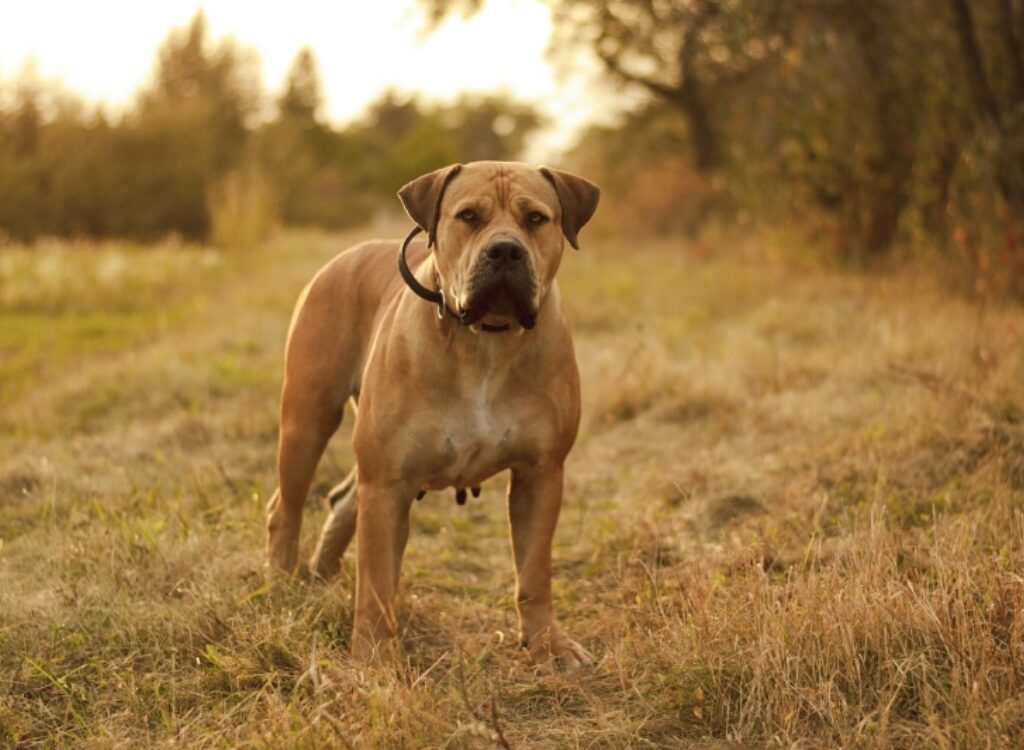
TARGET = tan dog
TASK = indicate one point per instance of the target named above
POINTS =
(448, 395)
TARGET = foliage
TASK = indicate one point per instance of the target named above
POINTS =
(196, 156)
(870, 120)
(242, 208)
(870, 124)
(651, 188)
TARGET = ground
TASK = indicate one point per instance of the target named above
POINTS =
(793, 516)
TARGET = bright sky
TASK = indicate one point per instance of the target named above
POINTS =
(104, 49)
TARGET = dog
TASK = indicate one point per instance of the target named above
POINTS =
(460, 364)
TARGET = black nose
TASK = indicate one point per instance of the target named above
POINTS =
(505, 252)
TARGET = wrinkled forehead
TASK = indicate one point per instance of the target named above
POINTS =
(501, 185)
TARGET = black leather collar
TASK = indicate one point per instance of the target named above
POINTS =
(430, 295)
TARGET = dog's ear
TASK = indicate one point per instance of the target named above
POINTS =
(578, 198)
(422, 198)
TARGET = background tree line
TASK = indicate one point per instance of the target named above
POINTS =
(199, 154)
(875, 123)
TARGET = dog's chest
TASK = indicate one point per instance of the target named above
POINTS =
(475, 440)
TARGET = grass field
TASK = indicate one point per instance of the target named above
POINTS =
(794, 516)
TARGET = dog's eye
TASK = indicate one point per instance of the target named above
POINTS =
(467, 215)
(536, 218)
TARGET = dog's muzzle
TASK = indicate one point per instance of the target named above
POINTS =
(501, 283)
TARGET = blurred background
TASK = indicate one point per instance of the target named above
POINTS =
(795, 510)
(856, 130)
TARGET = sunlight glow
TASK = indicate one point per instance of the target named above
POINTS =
(104, 50)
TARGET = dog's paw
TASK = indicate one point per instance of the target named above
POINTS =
(571, 656)
(282, 552)
(323, 568)
(553, 651)
(370, 651)
(276, 573)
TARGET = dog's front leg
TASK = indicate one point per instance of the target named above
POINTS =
(382, 531)
(534, 501)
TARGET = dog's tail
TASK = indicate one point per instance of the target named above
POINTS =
(342, 489)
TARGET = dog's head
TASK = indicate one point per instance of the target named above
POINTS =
(497, 230)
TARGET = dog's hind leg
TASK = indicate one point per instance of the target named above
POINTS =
(338, 530)
(304, 436)
(319, 367)
(341, 489)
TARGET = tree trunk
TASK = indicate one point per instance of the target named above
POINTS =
(937, 216)
(894, 133)
(977, 81)
(885, 208)
(692, 104)
(1013, 51)
(1008, 172)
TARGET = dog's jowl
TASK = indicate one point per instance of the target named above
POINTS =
(460, 362)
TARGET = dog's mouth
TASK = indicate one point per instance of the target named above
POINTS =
(500, 297)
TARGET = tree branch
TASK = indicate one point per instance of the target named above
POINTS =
(981, 91)
(1012, 45)
(706, 10)
(651, 84)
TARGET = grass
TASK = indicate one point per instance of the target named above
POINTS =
(793, 517)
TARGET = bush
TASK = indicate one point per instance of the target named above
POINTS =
(242, 209)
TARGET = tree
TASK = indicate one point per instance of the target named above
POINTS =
(872, 109)
(295, 148)
(302, 95)
(401, 138)
(695, 55)
(853, 106)
(22, 189)
(189, 130)
(1001, 112)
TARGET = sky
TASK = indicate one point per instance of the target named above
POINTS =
(104, 50)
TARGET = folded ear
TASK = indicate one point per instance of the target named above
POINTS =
(422, 198)
(578, 198)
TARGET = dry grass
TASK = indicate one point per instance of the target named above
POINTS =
(794, 517)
